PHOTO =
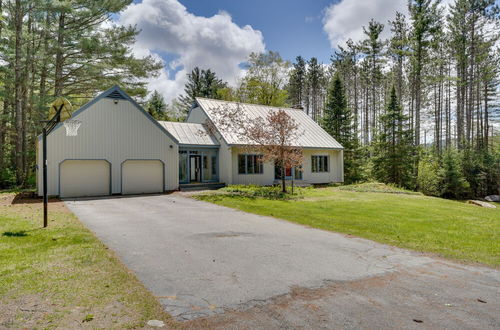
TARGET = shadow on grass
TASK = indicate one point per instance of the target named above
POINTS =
(20, 233)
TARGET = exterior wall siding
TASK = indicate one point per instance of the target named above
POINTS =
(228, 162)
(225, 153)
(335, 173)
(114, 132)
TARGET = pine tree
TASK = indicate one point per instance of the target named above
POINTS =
(58, 48)
(296, 85)
(337, 121)
(337, 117)
(156, 106)
(425, 17)
(201, 83)
(393, 159)
(373, 46)
(315, 81)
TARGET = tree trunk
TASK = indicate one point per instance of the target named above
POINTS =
(486, 119)
(58, 80)
(283, 180)
(18, 86)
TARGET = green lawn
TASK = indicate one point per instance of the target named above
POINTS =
(62, 276)
(449, 228)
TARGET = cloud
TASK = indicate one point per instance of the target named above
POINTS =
(346, 19)
(207, 42)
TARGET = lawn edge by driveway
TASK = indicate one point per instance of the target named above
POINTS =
(448, 233)
(63, 276)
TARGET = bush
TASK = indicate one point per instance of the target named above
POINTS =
(7, 178)
(430, 176)
(252, 191)
(482, 170)
(454, 183)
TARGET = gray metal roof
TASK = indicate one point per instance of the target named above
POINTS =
(314, 136)
(189, 133)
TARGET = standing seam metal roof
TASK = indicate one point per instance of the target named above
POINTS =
(190, 133)
(314, 135)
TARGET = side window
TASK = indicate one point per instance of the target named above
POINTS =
(319, 164)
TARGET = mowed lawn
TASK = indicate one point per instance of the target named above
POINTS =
(62, 276)
(448, 228)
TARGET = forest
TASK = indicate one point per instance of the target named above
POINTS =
(414, 103)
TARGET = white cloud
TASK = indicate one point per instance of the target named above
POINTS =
(215, 42)
(345, 20)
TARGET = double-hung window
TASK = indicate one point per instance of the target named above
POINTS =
(319, 164)
(250, 164)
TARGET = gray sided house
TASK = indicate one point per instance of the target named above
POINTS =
(121, 149)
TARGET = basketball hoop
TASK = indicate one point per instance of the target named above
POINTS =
(72, 126)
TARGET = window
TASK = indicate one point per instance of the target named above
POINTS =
(250, 164)
(296, 171)
(319, 164)
(214, 165)
(183, 166)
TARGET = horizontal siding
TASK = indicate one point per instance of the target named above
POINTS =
(114, 132)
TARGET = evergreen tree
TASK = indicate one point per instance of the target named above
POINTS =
(315, 80)
(425, 17)
(156, 106)
(65, 48)
(296, 85)
(393, 151)
(337, 121)
(337, 117)
(373, 46)
(201, 83)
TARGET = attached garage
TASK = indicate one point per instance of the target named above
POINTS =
(142, 176)
(85, 177)
(118, 149)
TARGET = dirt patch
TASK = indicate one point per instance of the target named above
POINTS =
(390, 301)
(33, 311)
(29, 200)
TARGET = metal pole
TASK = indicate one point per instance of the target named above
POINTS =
(45, 195)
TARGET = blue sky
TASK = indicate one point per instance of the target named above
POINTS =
(291, 27)
(220, 34)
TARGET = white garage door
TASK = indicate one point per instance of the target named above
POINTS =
(80, 178)
(142, 176)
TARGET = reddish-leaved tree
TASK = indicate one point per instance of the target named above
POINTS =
(274, 137)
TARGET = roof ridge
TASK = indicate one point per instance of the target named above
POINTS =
(252, 104)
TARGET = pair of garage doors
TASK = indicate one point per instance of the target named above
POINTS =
(80, 178)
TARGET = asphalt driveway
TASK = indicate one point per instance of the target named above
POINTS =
(227, 268)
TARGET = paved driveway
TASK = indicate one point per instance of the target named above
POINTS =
(251, 271)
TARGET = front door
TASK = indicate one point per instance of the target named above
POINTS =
(195, 168)
(288, 173)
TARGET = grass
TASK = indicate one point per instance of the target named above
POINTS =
(63, 276)
(451, 229)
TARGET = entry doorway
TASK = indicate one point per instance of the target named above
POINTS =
(195, 168)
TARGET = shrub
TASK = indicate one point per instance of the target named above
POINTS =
(252, 191)
(454, 183)
(430, 176)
